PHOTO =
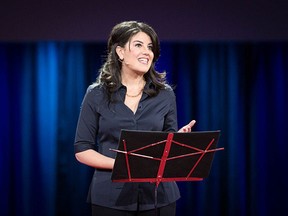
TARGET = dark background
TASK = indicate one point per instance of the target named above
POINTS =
(183, 20)
(227, 59)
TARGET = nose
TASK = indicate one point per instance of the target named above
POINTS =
(146, 50)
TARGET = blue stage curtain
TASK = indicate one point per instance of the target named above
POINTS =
(239, 88)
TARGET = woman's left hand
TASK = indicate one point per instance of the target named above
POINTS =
(188, 127)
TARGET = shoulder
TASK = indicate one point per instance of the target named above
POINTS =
(95, 87)
(168, 87)
(167, 93)
(168, 90)
(95, 92)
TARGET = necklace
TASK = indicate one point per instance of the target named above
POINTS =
(136, 94)
(128, 95)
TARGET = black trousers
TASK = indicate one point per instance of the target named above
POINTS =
(169, 210)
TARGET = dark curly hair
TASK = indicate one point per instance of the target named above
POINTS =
(110, 72)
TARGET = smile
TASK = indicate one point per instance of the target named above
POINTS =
(143, 60)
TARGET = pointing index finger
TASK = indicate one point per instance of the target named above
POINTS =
(191, 124)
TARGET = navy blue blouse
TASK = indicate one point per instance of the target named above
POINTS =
(99, 126)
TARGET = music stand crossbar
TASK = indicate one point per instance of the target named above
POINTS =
(167, 142)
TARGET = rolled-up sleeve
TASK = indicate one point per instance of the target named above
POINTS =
(87, 125)
(170, 122)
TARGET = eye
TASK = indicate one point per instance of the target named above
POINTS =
(150, 47)
(138, 45)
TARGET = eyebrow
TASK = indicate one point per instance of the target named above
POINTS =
(138, 41)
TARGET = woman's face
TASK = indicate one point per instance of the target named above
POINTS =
(137, 54)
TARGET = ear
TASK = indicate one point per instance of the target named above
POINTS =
(120, 52)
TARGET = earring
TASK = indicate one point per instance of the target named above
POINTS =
(121, 60)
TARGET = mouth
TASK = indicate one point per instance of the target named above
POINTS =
(143, 61)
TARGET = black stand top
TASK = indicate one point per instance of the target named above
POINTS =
(144, 156)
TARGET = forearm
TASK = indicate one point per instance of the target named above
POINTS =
(94, 159)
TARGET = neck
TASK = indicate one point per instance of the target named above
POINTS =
(132, 81)
(134, 85)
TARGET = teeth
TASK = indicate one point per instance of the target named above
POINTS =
(142, 60)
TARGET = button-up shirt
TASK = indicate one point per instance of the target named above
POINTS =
(100, 122)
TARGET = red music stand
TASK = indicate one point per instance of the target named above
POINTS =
(156, 157)
(144, 156)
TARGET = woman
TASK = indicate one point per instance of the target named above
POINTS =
(128, 94)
